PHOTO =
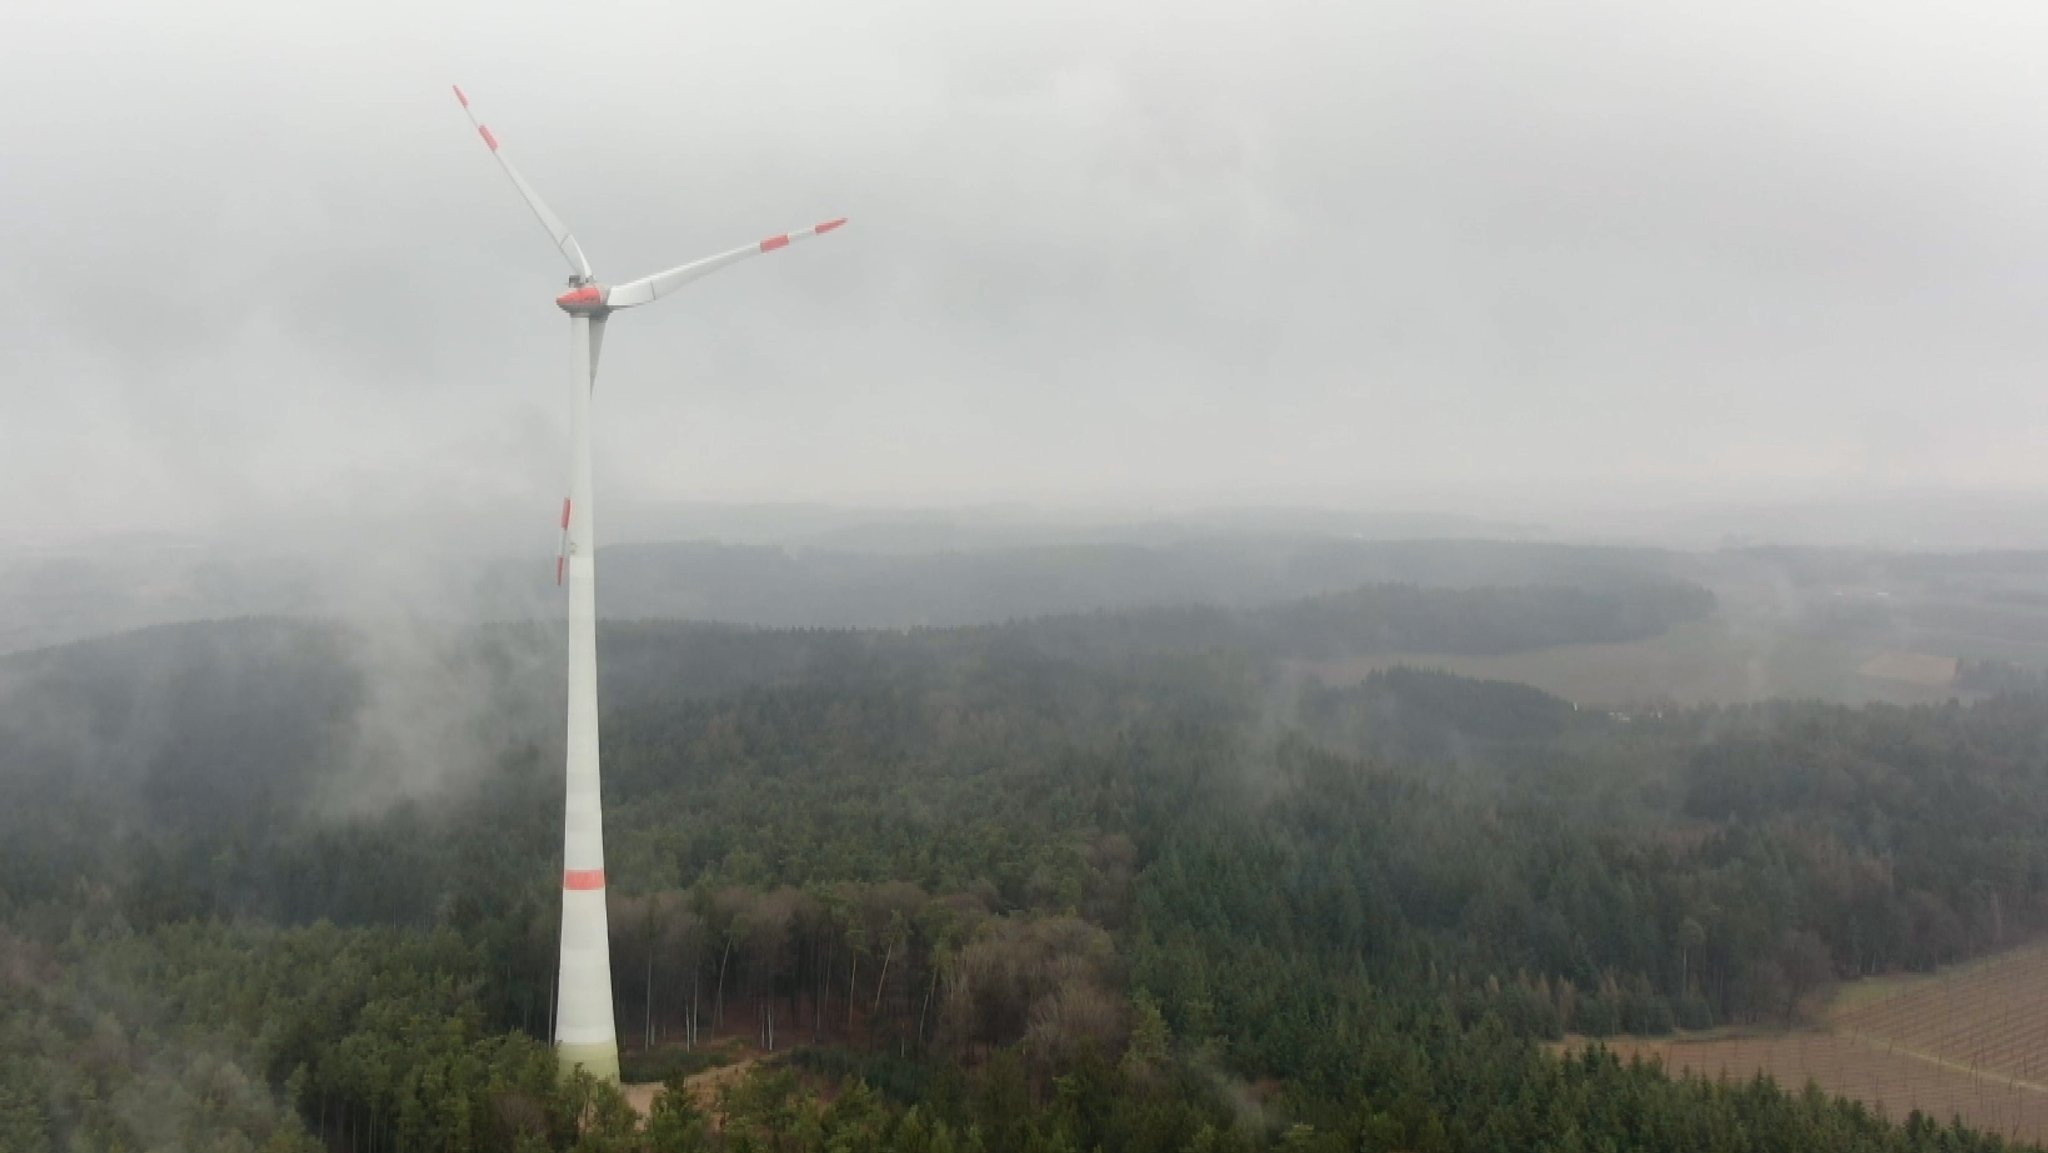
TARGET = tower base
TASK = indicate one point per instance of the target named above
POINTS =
(600, 1059)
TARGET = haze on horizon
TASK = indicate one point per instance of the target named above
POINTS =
(1489, 260)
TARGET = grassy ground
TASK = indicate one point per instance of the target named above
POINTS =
(705, 1070)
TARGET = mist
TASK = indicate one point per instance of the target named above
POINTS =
(1499, 262)
(1293, 562)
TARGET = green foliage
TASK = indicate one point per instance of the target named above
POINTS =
(674, 1123)
(1070, 884)
(598, 1116)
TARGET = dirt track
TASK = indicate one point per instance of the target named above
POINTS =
(704, 1087)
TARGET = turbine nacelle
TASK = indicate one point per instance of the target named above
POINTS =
(585, 300)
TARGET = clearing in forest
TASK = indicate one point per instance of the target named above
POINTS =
(1700, 662)
(1969, 1042)
(704, 1085)
(1912, 668)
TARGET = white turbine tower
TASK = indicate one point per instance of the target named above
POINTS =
(584, 1031)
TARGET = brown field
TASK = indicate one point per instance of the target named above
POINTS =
(1988, 1017)
(1913, 668)
(1712, 661)
(1969, 1042)
(1891, 1081)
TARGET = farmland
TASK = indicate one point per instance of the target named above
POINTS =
(1988, 1017)
(1712, 661)
(1893, 1081)
(1913, 668)
(1852, 628)
(1970, 1042)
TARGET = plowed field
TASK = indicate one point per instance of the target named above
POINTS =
(1972, 1042)
(1890, 1080)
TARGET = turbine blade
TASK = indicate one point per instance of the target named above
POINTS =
(558, 231)
(652, 288)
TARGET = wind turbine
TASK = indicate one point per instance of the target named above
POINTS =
(584, 1031)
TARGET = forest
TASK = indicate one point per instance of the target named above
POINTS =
(1116, 880)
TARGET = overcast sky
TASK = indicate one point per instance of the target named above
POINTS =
(258, 266)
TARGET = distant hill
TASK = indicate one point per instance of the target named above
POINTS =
(57, 598)
(775, 585)
(243, 720)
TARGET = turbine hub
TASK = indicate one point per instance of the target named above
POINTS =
(584, 300)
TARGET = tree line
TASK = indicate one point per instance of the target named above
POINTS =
(977, 890)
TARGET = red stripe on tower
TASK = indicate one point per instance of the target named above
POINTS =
(775, 242)
(828, 226)
(489, 139)
(583, 879)
(459, 95)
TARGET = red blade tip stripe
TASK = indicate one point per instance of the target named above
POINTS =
(583, 879)
(565, 512)
(775, 242)
(829, 225)
(459, 95)
(489, 139)
(558, 569)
